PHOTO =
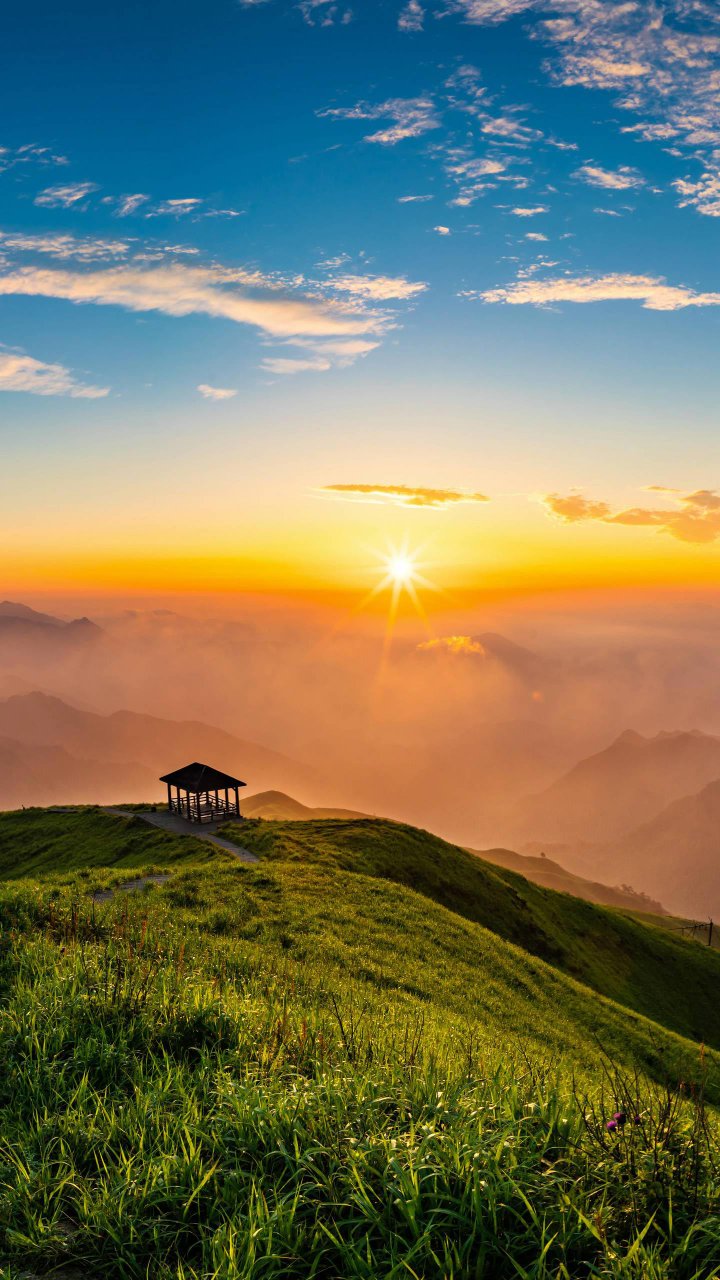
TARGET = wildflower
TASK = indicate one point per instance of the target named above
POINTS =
(611, 1126)
(620, 1117)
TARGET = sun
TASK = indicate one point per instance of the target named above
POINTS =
(400, 575)
(401, 568)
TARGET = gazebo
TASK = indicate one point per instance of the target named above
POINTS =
(203, 794)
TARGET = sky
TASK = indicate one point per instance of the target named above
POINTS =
(288, 288)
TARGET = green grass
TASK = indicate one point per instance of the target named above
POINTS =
(39, 842)
(668, 978)
(307, 1069)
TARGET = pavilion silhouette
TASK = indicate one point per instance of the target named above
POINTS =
(203, 794)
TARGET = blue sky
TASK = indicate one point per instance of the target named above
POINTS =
(468, 244)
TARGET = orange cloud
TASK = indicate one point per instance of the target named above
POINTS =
(575, 507)
(456, 645)
(695, 519)
(401, 495)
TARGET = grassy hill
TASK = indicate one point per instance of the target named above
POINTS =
(307, 1067)
(283, 808)
(667, 978)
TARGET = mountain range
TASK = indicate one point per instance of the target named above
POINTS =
(53, 752)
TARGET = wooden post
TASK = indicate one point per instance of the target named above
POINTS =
(169, 798)
(237, 802)
(710, 929)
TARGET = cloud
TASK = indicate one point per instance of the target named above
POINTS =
(529, 212)
(442, 231)
(177, 289)
(175, 208)
(216, 393)
(652, 292)
(65, 246)
(623, 179)
(411, 117)
(65, 197)
(19, 372)
(29, 153)
(287, 366)
(695, 518)
(574, 506)
(413, 199)
(646, 53)
(129, 204)
(400, 495)
(473, 175)
(380, 288)
(535, 235)
(704, 194)
(412, 17)
(457, 646)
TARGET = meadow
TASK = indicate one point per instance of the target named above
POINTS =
(367, 1055)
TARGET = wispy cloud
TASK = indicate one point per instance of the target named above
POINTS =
(412, 16)
(400, 495)
(529, 211)
(473, 175)
(87, 249)
(651, 292)
(413, 199)
(284, 366)
(65, 196)
(410, 118)
(216, 393)
(181, 290)
(694, 518)
(704, 194)
(29, 154)
(623, 179)
(126, 205)
(659, 58)
(455, 646)
(19, 372)
(178, 208)
(379, 288)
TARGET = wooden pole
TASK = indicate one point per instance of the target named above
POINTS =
(169, 798)
(710, 929)
(237, 802)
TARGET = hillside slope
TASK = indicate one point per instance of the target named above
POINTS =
(669, 979)
(551, 875)
(541, 870)
(43, 842)
(293, 1069)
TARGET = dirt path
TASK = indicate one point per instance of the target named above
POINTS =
(179, 827)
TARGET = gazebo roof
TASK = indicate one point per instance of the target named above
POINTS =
(198, 777)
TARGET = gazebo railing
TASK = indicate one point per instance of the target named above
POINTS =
(187, 806)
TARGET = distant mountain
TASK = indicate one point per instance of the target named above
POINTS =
(551, 875)
(20, 623)
(677, 854)
(33, 775)
(607, 794)
(279, 807)
(9, 609)
(133, 741)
